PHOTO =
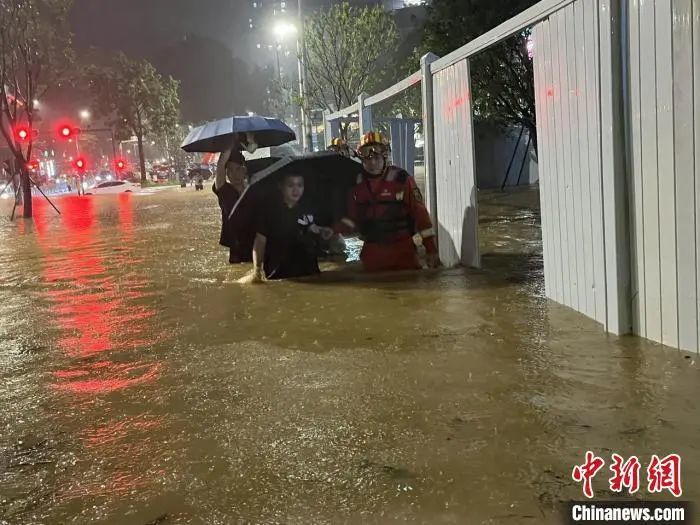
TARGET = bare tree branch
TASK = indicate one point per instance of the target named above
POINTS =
(346, 47)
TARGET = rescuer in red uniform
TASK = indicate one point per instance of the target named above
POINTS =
(340, 146)
(387, 209)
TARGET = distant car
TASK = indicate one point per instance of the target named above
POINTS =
(114, 186)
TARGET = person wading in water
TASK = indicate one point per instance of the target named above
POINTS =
(230, 182)
(286, 239)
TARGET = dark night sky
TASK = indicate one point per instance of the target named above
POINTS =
(198, 42)
(138, 27)
(195, 41)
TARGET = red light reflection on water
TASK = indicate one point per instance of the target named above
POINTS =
(100, 305)
(126, 216)
(116, 432)
(95, 303)
(112, 377)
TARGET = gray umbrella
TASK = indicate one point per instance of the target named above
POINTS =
(217, 136)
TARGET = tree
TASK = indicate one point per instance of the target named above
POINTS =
(135, 99)
(282, 99)
(168, 140)
(348, 50)
(502, 76)
(35, 54)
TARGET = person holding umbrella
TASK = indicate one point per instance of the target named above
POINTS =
(228, 136)
(286, 236)
(228, 186)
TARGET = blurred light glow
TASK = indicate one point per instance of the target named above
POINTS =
(283, 29)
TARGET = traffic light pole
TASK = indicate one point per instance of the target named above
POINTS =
(19, 188)
(111, 134)
(44, 194)
(114, 147)
(306, 137)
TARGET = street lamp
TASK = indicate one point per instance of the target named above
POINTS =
(282, 30)
(84, 114)
(307, 139)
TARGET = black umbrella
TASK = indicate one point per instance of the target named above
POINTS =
(256, 165)
(217, 136)
(328, 179)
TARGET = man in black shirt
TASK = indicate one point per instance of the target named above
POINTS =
(286, 240)
(231, 166)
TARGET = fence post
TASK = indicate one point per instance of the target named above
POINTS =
(327, 129)
(365, 114)
(614, 184)
(429, 136)
(396, 139)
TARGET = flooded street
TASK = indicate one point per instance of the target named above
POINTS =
(141, 384)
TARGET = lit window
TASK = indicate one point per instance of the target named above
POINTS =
(258, 46)
(255, 4)
(251, 26)
(283, 4)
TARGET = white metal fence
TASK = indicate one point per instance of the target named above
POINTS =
(618, 119)
(663, 68)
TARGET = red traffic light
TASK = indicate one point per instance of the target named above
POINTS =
(80, 164)
(120, 164)
(22, 133)
(67, 131)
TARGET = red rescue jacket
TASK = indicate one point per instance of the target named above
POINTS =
(388, 209)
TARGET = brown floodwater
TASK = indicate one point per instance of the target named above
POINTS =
(141, 384)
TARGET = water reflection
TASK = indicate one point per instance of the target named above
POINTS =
(97, 305)
(103, 312)
(427, 397)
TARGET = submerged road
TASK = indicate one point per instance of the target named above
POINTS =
(140, 384)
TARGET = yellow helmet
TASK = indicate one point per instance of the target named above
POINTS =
(373, 143)
(338, 144)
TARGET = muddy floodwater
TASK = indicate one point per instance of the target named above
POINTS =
(140, 384)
